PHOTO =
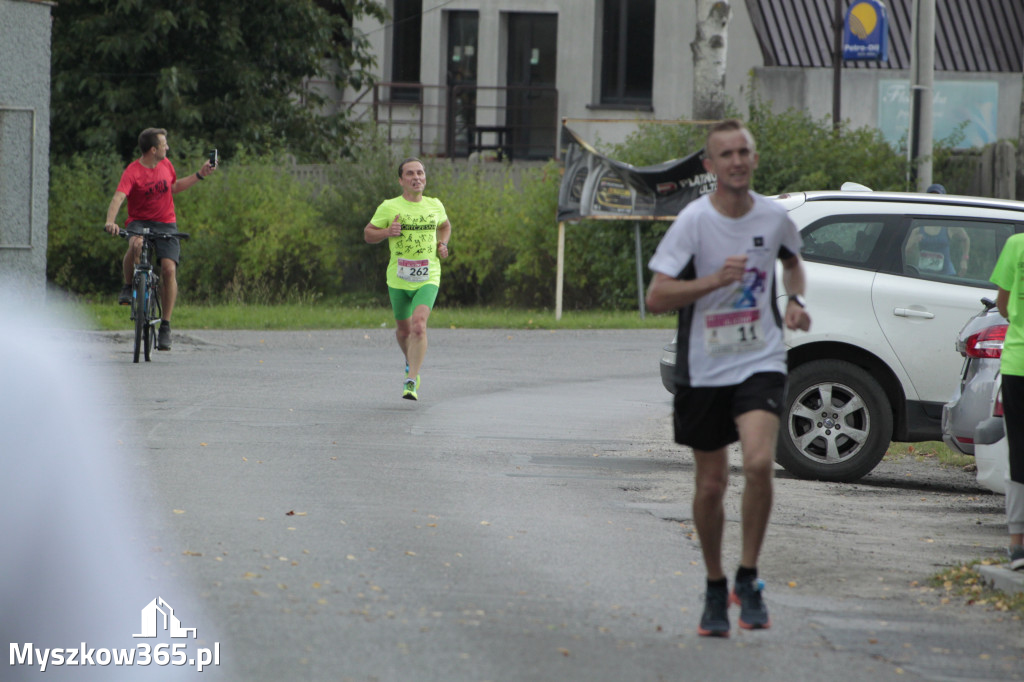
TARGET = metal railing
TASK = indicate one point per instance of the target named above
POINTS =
(512, 122)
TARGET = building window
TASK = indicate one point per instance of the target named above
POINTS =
(407, 27)
(627, 52)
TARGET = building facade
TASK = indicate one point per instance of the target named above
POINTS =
(499, 76)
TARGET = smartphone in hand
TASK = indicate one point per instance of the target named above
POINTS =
(213, 158)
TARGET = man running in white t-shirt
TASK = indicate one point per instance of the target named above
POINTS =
(716, 266)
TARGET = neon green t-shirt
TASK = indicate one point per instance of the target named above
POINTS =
(414, 260)
(1009, 275)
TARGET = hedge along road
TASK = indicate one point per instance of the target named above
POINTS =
(528, 519)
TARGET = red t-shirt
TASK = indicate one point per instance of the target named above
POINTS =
(149, 191)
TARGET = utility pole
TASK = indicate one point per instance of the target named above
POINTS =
(922, 88)
(837, 63)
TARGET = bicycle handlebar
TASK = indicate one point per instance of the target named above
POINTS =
(125, 233)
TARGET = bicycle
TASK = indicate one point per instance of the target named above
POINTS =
(146, 310)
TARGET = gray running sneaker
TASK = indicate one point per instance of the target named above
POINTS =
(1017, 558)
(714, 622)
(753, 612)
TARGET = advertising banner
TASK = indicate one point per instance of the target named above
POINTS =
(595, 186)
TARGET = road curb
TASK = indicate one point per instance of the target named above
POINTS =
(1003, 579)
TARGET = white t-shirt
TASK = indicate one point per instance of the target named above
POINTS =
(735, 331)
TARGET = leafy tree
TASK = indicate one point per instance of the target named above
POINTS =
(229, 74)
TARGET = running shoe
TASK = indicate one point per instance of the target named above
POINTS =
(125, 297)
(753, 612)
(1017, 558)
(163, 338)
(409, 389)
(714, 622)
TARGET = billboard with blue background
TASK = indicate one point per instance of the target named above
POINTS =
(953, 104)
(866, 32)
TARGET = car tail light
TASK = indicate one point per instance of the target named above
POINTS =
(997, 409)
(988, 343)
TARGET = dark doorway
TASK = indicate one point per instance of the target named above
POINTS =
(532, 114)
(407, 28)
(463, 29)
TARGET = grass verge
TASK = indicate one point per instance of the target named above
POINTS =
(967, 582)
(929, 451)
(105, 316)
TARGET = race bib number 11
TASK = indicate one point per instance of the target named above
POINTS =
(413, 270)
(732, 331)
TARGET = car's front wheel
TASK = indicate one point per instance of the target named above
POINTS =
(837, 422)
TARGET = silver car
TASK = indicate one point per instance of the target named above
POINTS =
(980, 343)
(991, 452)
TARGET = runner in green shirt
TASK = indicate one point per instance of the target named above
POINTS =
(417, 231)
(1008, 275)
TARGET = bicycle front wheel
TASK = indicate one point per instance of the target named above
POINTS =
(152, 319)
(139, 313)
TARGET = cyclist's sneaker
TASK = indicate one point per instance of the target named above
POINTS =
(714, 622)
(1017, 558)
(409, 389)
(753, 612)
(163, 339)
(125, 297)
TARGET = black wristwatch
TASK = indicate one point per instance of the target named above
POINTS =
(798, 299)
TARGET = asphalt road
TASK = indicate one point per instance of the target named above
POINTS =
(505, 527)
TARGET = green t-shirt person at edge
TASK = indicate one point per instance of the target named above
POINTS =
(1009, 275)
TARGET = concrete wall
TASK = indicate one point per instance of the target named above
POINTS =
(811, 90)
(24, 142)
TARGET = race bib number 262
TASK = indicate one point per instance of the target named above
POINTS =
(414, 270)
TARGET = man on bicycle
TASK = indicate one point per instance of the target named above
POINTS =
(149, 184)
(417, 231)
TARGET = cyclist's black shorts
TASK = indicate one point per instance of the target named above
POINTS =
(165, 248)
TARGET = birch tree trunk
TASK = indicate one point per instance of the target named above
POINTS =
(709, 59)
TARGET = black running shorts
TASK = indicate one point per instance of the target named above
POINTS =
(705, 416)
(1013, 419)
(165, 248)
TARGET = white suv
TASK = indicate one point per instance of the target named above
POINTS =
(890, 279)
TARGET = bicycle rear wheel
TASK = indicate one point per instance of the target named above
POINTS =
(139, 313)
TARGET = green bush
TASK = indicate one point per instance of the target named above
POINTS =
(81, 257)
(503, 233)
(356, 186)
(255, 232)
(260, 235)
